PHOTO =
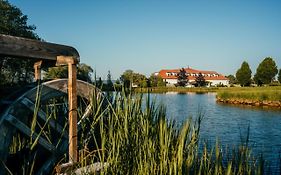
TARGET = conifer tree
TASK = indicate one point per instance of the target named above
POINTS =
(182, 78)
(200, 80)
(243, 75)
(109, 82)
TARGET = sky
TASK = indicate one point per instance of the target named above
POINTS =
(149, 35)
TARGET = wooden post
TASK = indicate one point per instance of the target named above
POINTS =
(72, 101)
(37, 70)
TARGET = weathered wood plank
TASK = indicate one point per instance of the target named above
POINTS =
(26, 130)
(58, 87)
(31, 106)
(37, 70)
(72, 118)
(28, 48)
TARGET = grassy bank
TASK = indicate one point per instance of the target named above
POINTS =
(270, 93)
(176, 89)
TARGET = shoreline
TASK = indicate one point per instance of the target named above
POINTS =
(247, 102)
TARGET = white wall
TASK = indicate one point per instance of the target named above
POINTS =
(171, 81)
(216, 82)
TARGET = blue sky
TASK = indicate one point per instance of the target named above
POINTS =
(149, 35)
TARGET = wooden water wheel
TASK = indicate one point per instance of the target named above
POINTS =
(49, 115)
(47, 105)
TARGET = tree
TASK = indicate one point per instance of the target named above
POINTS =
(84, 72)
(266, 71)
(139, 80)
(182, 78)
(56, 72)
(129, 78)
(117, 81)
(13, 22)
(99, 83)
(279, 76)
(109, 83)
(244, 74)
(200, 80)
(156, 81)
(232, 79)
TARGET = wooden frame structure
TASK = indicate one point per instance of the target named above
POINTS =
(49, 54)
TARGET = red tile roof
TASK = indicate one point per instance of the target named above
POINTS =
(163, 74)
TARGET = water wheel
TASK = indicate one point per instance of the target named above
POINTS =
(38, 120)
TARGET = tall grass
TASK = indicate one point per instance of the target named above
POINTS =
(138, 140)
(141, 141)
(272, 93)
(132, 135)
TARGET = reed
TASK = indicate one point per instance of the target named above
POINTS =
(139, 140)
(133, 136)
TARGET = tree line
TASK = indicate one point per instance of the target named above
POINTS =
(131, 79)
(265, 74)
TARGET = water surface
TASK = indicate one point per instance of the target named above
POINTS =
(229, 124)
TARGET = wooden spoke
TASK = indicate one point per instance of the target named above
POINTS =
(30, 105)
(27, 131)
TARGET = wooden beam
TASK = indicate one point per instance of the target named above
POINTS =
(72, 102)
(28, 48)
(65, 60)
(37, 70)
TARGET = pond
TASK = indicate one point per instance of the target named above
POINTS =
(229, 124)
